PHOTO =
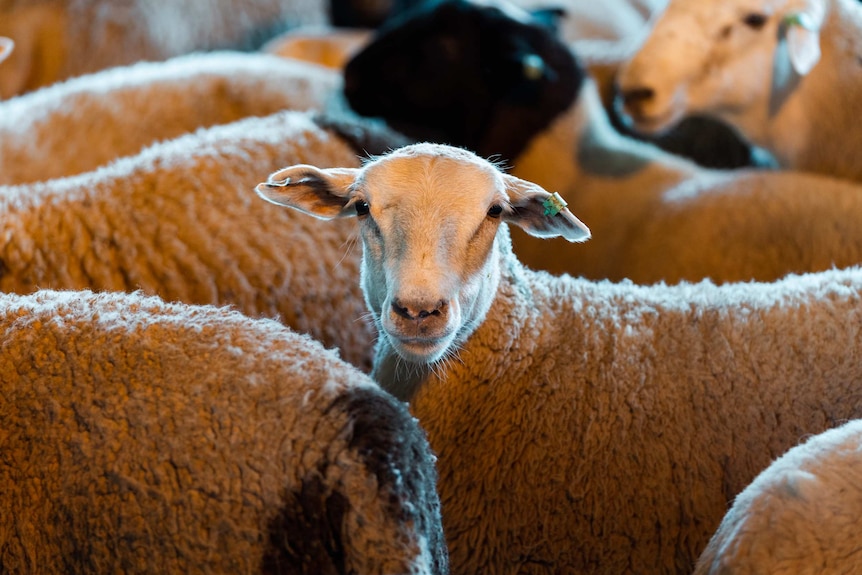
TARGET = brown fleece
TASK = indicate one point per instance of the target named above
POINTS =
(146, 437)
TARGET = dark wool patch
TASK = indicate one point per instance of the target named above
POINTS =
(396, 451)
(305, 536)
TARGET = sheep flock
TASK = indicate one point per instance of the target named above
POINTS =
(430, 287)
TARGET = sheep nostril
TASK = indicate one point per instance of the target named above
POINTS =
(417, 312)
(401, 311)
(634, 97)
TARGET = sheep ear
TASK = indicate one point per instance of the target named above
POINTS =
(322, 193)
(802, 33)
(16, 73)
(540, 213)
(6, 47)
(40, 43)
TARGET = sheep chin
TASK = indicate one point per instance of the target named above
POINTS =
(421, 350)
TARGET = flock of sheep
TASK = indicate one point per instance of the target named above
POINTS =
(540, 344)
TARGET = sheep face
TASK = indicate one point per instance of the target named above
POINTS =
(735, 59)
(487, 78)
(429, 219)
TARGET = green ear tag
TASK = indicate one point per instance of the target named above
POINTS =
(800, 19)
(554, 204)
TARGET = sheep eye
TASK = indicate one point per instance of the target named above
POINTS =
(495, 211)
(754, 20)
(362, 208)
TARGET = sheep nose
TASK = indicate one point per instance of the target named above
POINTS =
(417, 311)
(633, 98)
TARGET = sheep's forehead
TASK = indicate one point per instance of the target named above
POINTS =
(412, 190)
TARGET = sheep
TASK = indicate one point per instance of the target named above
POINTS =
(799, 516)
(655, 217)
(78, 125)
(442, 48)
(786, 75)
(580, 427)
(176, 221)
(146, 437)
(59, 39)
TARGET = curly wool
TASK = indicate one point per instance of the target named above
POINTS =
(595, 427)
(799, 516)
(81, 124)
(145, 437)
(59, 39)
(181, 220)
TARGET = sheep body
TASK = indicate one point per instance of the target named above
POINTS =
(754, 82)
(588, 427)
(146, 437)
(78, 125)
(617, 421)
(179, 220)
(799, 516)
(58, 39)
(656, 217)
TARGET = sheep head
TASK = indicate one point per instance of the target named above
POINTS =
(736, 60)
(429, 218)
(479, 76)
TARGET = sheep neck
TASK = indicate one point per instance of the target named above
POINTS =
(395, 375)
(611, 182)
(594, 155)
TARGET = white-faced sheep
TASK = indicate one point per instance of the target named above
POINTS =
(786, 74)
(58, 39)
(78, 125)
(177, 221)
(654, 216)
(146, 437)
(581, 427)
(798, 517)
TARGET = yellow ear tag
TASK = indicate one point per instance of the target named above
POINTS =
(554, 204)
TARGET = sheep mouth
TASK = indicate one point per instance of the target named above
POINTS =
(652, 125)
(421, 350)
(638, 120)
